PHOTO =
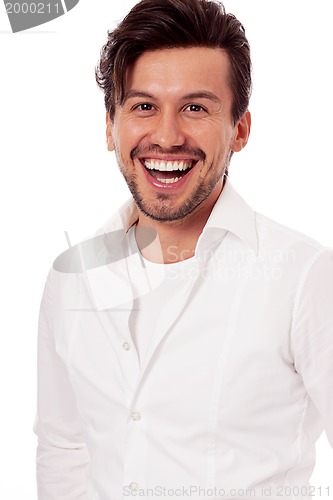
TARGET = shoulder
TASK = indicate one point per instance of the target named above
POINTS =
(276, 236)
(101, 248)
(294, 254)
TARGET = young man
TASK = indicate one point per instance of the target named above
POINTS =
(187, 349)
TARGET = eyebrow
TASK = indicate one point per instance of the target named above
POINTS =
(136, 93)
(202, 94)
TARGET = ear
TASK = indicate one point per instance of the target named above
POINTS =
(109, 130)
(242, 132)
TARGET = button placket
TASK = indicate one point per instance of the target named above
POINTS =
(136, 416)
(133, 486)
(131, 367)
(126, 346)
(135, 466)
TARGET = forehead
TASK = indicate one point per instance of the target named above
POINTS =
(181, 70)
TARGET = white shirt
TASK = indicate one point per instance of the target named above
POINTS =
(237, 380)
(147, 306)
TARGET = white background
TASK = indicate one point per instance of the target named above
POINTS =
(56, 174)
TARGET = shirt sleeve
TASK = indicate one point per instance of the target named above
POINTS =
(62, 457)
(313, 335)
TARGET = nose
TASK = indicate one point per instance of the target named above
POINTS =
(168, 130)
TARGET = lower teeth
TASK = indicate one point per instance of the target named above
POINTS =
(169, 181)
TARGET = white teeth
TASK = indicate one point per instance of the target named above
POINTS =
(169, 181)
(169, 166)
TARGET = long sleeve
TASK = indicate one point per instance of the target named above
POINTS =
(62, 457)
(313, 336)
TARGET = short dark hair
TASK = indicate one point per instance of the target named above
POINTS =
(161, 24)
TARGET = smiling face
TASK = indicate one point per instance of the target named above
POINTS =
(174, 133)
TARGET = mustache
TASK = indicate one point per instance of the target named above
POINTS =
(197, 153)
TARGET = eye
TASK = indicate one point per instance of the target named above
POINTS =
(195, 108)
(145, 106)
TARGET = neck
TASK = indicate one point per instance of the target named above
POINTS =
(177, 240)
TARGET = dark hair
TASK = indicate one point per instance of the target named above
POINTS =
(160, 24)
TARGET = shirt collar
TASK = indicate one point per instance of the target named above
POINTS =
(230, 213)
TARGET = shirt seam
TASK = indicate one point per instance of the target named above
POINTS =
(300, 429)
(50, 306)
(285, 230)
(299, 293)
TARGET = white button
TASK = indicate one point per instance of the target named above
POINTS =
(133, 486)
(136, 416)
(126, 346)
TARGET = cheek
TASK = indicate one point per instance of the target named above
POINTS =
(137, 127)
(211, 135)
(132, 135)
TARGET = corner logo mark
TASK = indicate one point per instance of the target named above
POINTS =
(28, 14)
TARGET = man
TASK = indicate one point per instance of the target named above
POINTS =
(186, 350)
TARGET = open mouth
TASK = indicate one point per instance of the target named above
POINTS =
(168, 172)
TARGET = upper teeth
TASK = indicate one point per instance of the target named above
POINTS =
(168, 166)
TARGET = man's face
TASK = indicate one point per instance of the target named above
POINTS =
(174, 132)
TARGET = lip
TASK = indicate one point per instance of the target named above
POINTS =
(161, 185)
(168, 158)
